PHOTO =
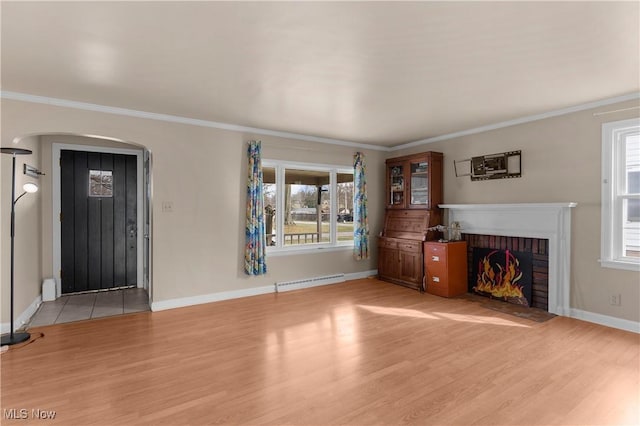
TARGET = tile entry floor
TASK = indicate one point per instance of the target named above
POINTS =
(78, 307)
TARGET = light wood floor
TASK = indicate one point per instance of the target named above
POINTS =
(361, 352)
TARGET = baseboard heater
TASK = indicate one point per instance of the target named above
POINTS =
(309, 282)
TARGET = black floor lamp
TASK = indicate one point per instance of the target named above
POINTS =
(13, 338)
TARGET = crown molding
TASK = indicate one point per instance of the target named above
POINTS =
(25, 97)
(266, 132)
(521, 120)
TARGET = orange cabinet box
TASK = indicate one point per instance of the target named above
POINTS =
(445, 266)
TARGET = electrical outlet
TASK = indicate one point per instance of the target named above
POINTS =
(167, 206)
(615, 299)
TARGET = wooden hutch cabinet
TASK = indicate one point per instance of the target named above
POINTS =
(414, 190)
(414, 181)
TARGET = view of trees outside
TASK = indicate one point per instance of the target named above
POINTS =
(301, 203)
(631, 205)
(345, 194)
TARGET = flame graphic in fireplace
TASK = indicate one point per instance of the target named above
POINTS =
(500, 280)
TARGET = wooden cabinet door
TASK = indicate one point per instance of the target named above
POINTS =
(396, 184)
(410, 267)
(435, 180)
(388, 262)
(414, 181)
(418, 189)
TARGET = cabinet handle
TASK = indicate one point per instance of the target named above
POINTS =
(435, 279)
(435, 258)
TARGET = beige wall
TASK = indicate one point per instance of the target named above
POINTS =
(197, 248)
(27, 232)
(561, 162)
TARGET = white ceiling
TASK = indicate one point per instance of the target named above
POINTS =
(377, 73)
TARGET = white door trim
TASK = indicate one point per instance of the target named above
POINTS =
(56, 202)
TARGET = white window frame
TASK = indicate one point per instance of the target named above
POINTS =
(613, 179)
(280, 167)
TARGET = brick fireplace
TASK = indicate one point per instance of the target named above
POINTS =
(545, 226)
(537, 247)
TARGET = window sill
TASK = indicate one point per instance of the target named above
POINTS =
(307, 250)
(620, 264)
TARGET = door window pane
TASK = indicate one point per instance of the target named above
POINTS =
(397, 185)
(100, 183)
(419, 183)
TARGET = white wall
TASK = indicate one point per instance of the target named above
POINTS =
(198, 248)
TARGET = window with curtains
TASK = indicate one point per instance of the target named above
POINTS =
(621, 195)
(307, 206)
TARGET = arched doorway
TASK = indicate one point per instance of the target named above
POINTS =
(90, 249)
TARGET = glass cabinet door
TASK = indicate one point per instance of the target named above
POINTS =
(419, 188)
(396, 185)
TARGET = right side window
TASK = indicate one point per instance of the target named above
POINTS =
(621, 194)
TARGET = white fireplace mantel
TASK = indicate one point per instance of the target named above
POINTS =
(550, 221)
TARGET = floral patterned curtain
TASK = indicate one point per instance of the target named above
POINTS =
(360, 220)
(254, 252)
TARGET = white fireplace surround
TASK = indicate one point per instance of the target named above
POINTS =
(550, 221)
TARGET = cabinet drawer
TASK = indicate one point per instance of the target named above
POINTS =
(386, 243)
(438, 269)
(437, 279)
(434, 261)
(435, 252)
(410, 246)
(437, 288)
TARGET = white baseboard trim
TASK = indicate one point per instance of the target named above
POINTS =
(208, 298)
(234, 294)
(23, 318)
(605, 320)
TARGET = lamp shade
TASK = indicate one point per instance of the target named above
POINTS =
(30, 187)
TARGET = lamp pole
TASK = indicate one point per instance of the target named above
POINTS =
(12, 338)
